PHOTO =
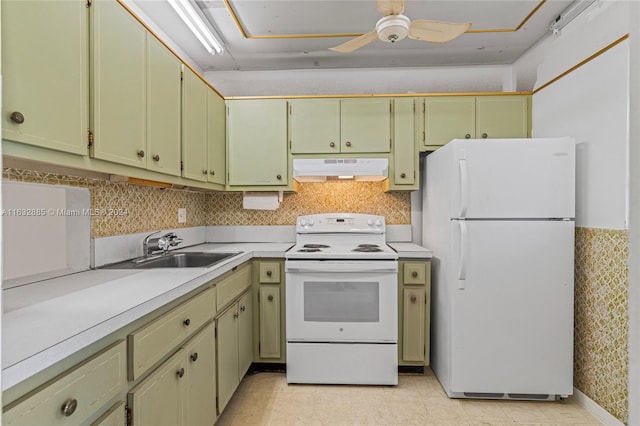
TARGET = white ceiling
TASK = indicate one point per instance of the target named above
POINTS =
(296, 34)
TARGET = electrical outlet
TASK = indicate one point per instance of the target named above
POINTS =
(182, 215)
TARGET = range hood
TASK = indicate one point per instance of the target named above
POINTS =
(358, 169)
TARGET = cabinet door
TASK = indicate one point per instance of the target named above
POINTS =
(45, 70)
(163, 119)
(194, 126)
(404, 150)
(501, 117)
(269, 321)
(257, 142)
(413, 332)
(245, 334)
(314, 126)
(365, 125)
(227, 345)
(216, 134)
(113, 417)
(119, 85)
(447, 118)
(201, 374)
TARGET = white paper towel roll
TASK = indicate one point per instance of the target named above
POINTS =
(260, 200)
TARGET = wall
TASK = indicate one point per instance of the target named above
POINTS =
(128, 209)
(591, 104)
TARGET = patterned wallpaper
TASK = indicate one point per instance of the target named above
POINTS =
(601, 359)
(127, 209)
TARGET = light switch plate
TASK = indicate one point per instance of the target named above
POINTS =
(182, 215)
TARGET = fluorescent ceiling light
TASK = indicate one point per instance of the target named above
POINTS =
(185, 10)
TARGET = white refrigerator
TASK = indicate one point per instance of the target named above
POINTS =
(499, 217)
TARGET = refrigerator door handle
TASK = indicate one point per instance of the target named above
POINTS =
(462, 270)
(464, 187)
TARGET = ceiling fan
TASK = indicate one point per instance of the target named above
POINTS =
(395, 26)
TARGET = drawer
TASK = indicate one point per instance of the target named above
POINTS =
(88, 387)
(151, 343)
(415, 273)
(269, 272)
(233, 285)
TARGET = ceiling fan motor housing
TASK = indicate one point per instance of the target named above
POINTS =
(392, 28)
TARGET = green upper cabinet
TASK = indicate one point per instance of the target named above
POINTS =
(471, 117)
(194, 127)
(163, 119)
(405, 154)
(257, 142)
(216, 135)
(447, 118)
(502, 117)
(45, 69)
(119, 86)
(314, 126)
(365, 125)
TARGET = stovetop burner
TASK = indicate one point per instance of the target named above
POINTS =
(362, 249)
(315, 246)
(368, 246)
(309, 250)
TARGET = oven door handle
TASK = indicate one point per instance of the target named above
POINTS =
(342, 267)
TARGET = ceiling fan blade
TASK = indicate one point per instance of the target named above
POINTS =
(436, 31)
(390, 7)
(356, 43)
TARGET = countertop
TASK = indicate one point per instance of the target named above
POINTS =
(411, 251)
(45, 322)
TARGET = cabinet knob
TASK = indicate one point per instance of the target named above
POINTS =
(467, 136)
(235, 315)
(204, 172)
(187, 322)
(180, 372)
(156, 157)
(69, 407)
(194, 357)
(413, 298)
(403, 175)
(348, 143)
(212, 172)
(279, 177)
(17, 117)
(243, 308)
(414, 274)
(141, 154)
(270, 298)
(269, 273)
(332, 144)
(484, 136)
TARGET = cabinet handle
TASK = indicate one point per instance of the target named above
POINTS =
(413, 298)
(414, 274)
(348, 143)
(204, 172)
(332, 144)
(279, 177)
(156, 157)
(212, 173)
(484, 136)
(194, 357)
(270, 298)
(242, 308)
(235, 315)
(269, 273)
(180, 372)
(403, 175)
(141, 154)
(187, 322)
(17, 117)
(69, 407)
(467, 136)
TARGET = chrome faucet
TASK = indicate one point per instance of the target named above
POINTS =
(152, 245)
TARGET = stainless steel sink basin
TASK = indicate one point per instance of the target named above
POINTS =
(173, 260)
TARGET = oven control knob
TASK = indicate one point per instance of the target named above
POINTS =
(311, 222)
(378, 222)
(370, 222)
(303, 222)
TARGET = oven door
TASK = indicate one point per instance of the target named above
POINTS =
(341, 301)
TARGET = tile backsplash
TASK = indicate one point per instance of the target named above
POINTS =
(126, 209)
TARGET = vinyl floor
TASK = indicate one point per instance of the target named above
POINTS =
(266, 399)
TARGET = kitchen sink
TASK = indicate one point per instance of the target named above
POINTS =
(173, 260)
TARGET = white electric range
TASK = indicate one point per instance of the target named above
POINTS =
(341, 292)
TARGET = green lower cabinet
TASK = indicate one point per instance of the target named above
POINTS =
(201, 385)
(269, 334)
(414, 300)
(269, 344)
(245, 334)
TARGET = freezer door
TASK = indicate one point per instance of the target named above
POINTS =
(512, 307)
(513, 178)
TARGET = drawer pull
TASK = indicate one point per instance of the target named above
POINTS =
(467, 136)
(279, 177)
(414, 274)
(180, 372)
(194, 356)
(69, 407)
(331, 144)
(403, 175)
(484, 136)
(270, 298)
(269, 273)
(17, 117)
(348, 143)
(413, 298)
(186, 322)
